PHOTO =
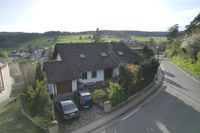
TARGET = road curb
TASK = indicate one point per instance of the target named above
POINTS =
(134, 102)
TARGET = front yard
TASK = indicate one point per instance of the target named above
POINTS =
(13, 121)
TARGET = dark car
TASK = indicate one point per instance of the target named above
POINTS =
(84, 98)
(67, 109)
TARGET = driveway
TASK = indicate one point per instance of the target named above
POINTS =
(86, 116)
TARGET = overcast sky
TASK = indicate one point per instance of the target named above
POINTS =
(82, 15)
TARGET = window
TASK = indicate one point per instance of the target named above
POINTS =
(103, 54)
(94, 74)
(120, 53)
(82, 55)
(84, 75)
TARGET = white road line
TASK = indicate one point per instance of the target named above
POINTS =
(136, 110)
(185, 72)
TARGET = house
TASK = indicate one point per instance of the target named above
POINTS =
(5, 80)
(75, 64)
(134, 45)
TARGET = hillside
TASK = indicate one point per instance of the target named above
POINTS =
(19, 40)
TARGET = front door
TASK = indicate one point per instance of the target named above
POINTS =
(64, 87)
(108, 73)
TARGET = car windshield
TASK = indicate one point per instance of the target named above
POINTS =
(87, 98)
(69, 107)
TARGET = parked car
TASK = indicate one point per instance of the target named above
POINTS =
(84, 98)
(67, 109)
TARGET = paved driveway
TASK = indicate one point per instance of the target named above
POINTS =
(86, 116)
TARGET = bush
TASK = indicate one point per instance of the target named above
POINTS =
(40, 120)
(130, 78)
(98, 94)
(116, 94)
(149, 69)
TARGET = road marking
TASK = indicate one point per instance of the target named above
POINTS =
(162, 127)
(136, 110)
(185, 72)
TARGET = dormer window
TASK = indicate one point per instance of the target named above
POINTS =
(120, 53)
(82, 55)
(103, 54)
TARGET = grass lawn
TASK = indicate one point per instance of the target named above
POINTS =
(186, 64)
(73, 39)
(112, 39)
(147, 38)
(13, 121)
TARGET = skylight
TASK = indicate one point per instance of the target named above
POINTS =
(82, 55)
(120, 53)
(103, 54)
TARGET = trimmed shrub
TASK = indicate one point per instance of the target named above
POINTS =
(116, 94)
(40, 120)
(98, 94)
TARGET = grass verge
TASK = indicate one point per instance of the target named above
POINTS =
(13, 121)
(187, 65)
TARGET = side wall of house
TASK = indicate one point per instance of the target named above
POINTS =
(74, 85)
(100, 77)
(116, 72)
(52, 88)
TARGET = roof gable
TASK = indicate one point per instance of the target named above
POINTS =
(72, 57)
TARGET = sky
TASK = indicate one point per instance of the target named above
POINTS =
(84, 15)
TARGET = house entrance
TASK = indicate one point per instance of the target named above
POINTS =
(108, 73)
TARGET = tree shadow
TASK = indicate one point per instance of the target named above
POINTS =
(169, 81)
(169, 74)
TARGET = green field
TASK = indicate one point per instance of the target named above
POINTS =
(45, 41)
(187, 65)
(147, 38)
(13, 121)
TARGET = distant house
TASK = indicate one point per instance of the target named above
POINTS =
(135, 45)
(76, 64)
(5, 79)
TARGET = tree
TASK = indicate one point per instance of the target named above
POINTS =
(149, 68)
(151, 41)
(172, 32)
(4, 54)
(198, 56)
(39, 74)
(147, 52)
(194, 25)
(116, 94)
(130, 78)
(97, 35)
(38, 102)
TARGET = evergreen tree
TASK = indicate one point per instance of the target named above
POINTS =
(97, 35)
(39, 74)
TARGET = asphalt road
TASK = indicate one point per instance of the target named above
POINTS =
(175, 109)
